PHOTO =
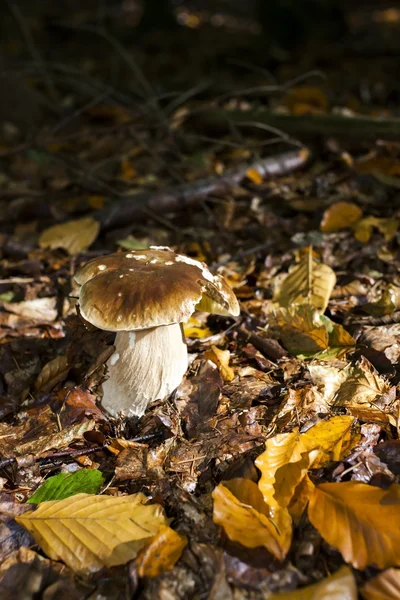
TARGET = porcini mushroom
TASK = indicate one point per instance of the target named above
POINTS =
(145, 296)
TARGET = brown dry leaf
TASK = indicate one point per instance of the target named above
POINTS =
(161, 554)
(54, 441)
(74, 236)
(301, 404)
(300, 499)
(288, 456)
(361, 387)
(128, 171)
(387, 303)
(89, 532)
(240, 509)
(52, 373)
(340, 586)
(221, 359)
(362, 521)
(301, 330)
(340, 216)
(387, 165)
(40, 309)
(306, 99)
(328, 379)
(310, 282)
(385, 586)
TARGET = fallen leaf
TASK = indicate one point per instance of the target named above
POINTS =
(221, 359)
(362, 521)
(310, 282)
(362, 386)
(387, 303)
(63, 485)
(301, 329)
(54, 441)
(288, 456)
(254, 176)
(240, 509)
(194, 328)
(385, 586)
(89, 532)
(74, 236)
(52, 373)
(161, 554)
(387, 227)
(340, 216)
(340, 586)
(40, 309)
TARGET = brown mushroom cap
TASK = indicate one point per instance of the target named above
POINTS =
(147, 288)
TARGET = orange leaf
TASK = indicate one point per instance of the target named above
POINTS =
(362, 521)
(240, 509)
(339, 216)
(340, 586)
(160, 555)
(221, 359)
(254, 176)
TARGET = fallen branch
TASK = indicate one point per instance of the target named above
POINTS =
(303, 126)
(177, 198)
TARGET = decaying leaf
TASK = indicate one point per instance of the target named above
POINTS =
(54, 441)
(362, 521)
(310, 282)
(385, 586)
(362, 386)
(162, 552)
(340, 215)
(52, 373)
(221, 359)
(340, 586)
(89, 532)
(74, 236)
(240, 509)
(387, 303)
(63, 485)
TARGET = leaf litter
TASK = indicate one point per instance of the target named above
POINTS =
(273, 470)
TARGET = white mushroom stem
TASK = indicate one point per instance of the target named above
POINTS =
(147, 365)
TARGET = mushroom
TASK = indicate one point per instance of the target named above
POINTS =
(145, 296)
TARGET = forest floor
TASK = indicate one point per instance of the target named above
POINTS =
(273, 470)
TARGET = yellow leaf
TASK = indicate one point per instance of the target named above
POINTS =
(89, 532)
(387, 303)
(301, 329)
(240, 509)
(254, 176)
(194, 328)
(288, 456)
(74, 236)
(221, 359)
(340, 216)
(300, 499)
(309, 282)
(340, 586)
(362, 521)
(363, 229)
(160, 555)
(362, 386)
(128, 171)
(385, 586)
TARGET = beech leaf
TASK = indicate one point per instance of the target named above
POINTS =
(301, 329)
(63, 485)
(74, 236)
(362, 521)
(308, 282)
(385, 586)
(221, 359)
(340, 215)
(340, 586)
(240, 509)
(52, 373)
(89, 532)
(160, 555)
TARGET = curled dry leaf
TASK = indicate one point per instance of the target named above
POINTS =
(340, 216)
(340, 586)
(221, 359)
(362, 521)
(310, 282)
(385, 586)
(74, 236)
(240, 509)
(162, 552)
(89, 532)
(52, 373)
